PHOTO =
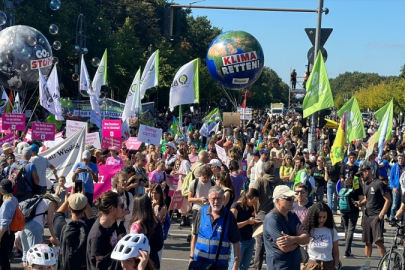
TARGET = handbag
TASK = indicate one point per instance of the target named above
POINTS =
(199, 265)
(304, 253)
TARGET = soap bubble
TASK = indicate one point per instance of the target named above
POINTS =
(223, 102)
(32, 41)
(26, 53)
(75, 77)
(54, 4)
(41, 40)
(95, 61)
(24, 67)
(3, 18)
(56, 45)
(53, 29)
(55, 60)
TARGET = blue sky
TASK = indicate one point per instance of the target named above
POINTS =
(368, 35)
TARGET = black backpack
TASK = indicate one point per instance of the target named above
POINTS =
(20, 182)
(73, 245)
(29, 208)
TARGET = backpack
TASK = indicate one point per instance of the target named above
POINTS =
(20, 182)
(18, 222)
(29, 208)
(187, 181)
(344, 200)
(73, 245)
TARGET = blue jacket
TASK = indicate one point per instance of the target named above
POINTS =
(208, 239)
(7, 211)
(395, 175)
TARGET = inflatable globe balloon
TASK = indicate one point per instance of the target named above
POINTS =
(235, 60)
(23, 50)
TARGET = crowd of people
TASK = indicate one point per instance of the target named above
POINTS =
(270, 199)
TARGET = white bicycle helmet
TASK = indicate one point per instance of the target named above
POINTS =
(129, 246)
(41, 254)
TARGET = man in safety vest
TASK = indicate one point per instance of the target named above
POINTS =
(211, 221)
(300, 175)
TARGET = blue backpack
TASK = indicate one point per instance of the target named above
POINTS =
(344, 200)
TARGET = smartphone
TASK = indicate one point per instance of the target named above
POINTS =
(78, 186)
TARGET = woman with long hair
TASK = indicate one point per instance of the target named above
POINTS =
(286, 170)
(321, 176)
(224, 181)
(124, 151)
(193, 156)
(238, 180)
(184, 169)
(152, 160)
(144, 221)
(323, 247)
(244, 214)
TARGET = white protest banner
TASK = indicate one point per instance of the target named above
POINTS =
(149, 135)
(74, 126)
(93, 139)
(66, 154)
(221, 154)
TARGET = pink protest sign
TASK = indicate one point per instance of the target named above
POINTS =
(8, 139)
(105, 175)
(43, 131)
(28, 136)
(175, 181)
(111, 128)
(177, 200)
(7, 131)
(109, 142)
(132, 143)
(14, 121)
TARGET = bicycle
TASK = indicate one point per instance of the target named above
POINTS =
(394, 258)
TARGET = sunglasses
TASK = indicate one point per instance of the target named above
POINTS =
(301, 192)
(289, 199)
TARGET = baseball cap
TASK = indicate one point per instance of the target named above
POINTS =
(26, 151)
(77, 201)
(263, 151)
(90, 147)
(170, 144)
(305, 150)
(34, 148)
(86, 155)
(363, 169)
(6, 186)
(283, 191)
(215, 162)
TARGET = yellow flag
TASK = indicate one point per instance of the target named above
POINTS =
(336, 154)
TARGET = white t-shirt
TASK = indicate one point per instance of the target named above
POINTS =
(41, 163)
(253, 174)
(321, 244)
(259, 168)
(42, 207)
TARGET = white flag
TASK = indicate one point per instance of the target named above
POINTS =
(150, 75)
(383, 134)
(4, 101)
(185, 86)
(100, 78)
(86, 86)
(53, 88)
(46, 98)
(17, 104)
(85, 83)
(133, 101)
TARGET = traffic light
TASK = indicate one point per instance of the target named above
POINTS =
(172, 22)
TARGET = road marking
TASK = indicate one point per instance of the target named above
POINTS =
(170, 259)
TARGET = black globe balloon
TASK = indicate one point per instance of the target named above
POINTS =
(223, 102)
(23, 50)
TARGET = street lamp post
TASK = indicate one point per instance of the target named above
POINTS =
(80, 45)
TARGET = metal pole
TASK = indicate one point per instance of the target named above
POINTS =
(247, 8)
(314, 117)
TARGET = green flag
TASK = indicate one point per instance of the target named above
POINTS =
(215, 115)
(100, 78)
(180, 115)
(379, 115)
(355, 127)
(319, 95)
(174, 126)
